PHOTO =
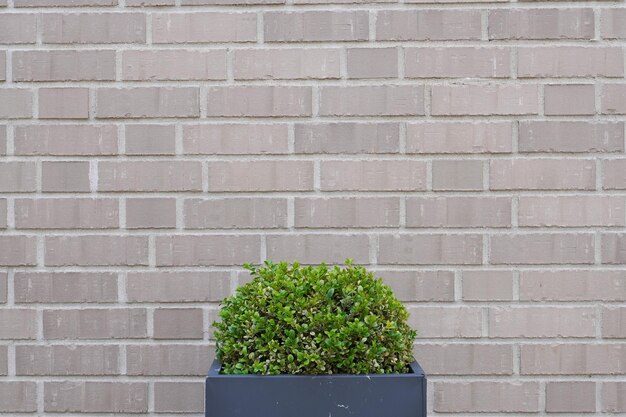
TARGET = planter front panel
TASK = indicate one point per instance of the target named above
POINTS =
(388, 395)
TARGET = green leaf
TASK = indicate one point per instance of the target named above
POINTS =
(329, 293)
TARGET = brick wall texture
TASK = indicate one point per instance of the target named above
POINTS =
(470, 152)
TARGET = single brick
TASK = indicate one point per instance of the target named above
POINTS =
(316, 26)
(179, 397)
(244, 176)
(570, 99)
(569, 61)
(3, 213)
(230, 2)
(259, 101)
(72, 140)
(236, 139)
(65, 287)
(425, 25)
(63, 3)
(496, 397)
(612, 23)
(529, 322)
(570, 397)
(105, 323)
(458, 212)
(177, 287)
(573, 359)
(96, 397)
(236, 213)
(420, 285)
(4, 361)
(144, 3)
(459, 175)
(18, 251)
(96, 250)
(614, 248)
(3, 66)
(66, 360)
(465, 359)
(571, 136)
(18, 396)
(438, 249)
(166, 359)
(205, 250)
(372, 63)
(174, 65)
(542, 248)
(572, 285)
(66, 213)
(18, 28)
(542, 174)
(18, 177)
(316, 248)
(614, 397)
(178, 323)
(93, 28)
(341, 1)
(64, 65)
(150, 213)
(459, 137)
(377, 100)
(3, 140)
(63, 103)
(147, 102)
(3, 294)
(347, 212)
(65, 176)
(614, 322)
(372, 175)
(613, 98)
(571, 211)
(286, 64)
(540, 24)
(448, 322)
(347, 138)
(491, 99)
(488, 285)
(614, 178)
(457, 62)
(150, 139)
(17, 324)
(16, 103)
(202, 27)
(165, 176)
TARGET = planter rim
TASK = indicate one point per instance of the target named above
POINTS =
(416, 371)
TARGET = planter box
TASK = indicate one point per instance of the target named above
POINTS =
(375, 395)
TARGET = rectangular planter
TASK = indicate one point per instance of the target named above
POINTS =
(374, 395)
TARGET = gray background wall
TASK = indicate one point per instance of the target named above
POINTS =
(472, 153)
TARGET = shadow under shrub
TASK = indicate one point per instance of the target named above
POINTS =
(293, 319)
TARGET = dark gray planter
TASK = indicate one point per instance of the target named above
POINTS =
(375, 395)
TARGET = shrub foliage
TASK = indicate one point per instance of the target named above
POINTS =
(293, 319)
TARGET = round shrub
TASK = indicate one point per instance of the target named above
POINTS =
(293, 319)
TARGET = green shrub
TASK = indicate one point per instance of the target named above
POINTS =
(293, 319)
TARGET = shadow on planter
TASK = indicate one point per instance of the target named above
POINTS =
(374, 395)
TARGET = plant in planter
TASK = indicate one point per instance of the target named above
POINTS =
(314, 341)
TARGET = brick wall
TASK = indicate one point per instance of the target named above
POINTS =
(470, 152)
